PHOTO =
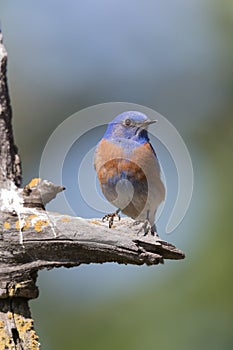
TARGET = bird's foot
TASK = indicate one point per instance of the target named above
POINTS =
(110, 217)
(147, 228)
(136, 222)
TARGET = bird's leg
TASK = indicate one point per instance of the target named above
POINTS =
(147, 227)
(110, 217)
(153, 231)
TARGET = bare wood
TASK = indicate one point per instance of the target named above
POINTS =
(55, 240)
(10, 166)
(16, 325)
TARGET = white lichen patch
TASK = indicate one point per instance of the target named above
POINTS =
(11, 200)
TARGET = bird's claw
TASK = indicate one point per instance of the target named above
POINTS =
(147, 228)
(110, 218)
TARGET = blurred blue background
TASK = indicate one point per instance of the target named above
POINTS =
(174, 57)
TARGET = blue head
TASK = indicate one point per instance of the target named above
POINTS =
(129, 125)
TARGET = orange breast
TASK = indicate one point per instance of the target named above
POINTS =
(140, 167)
(112, 162)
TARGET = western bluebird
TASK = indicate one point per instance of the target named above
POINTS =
(128, 169)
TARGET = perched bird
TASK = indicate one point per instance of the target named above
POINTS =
(128, 170)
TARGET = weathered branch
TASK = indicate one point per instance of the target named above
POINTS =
(10, 167)
(16, 324)
(54, 240)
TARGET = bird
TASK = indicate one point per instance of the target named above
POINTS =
(128, 170)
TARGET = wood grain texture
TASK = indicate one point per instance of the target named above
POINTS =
(54, 240)
(10, 166)
(16, 325)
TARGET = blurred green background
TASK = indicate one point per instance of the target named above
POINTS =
(177, 58)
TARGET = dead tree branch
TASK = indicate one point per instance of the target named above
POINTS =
(9, 159)
(54, 240)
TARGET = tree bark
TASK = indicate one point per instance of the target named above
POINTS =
(32, 238)
(16, 324)
(55, 240)
(9, 158)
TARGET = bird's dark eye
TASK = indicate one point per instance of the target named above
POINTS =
(128, 122)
